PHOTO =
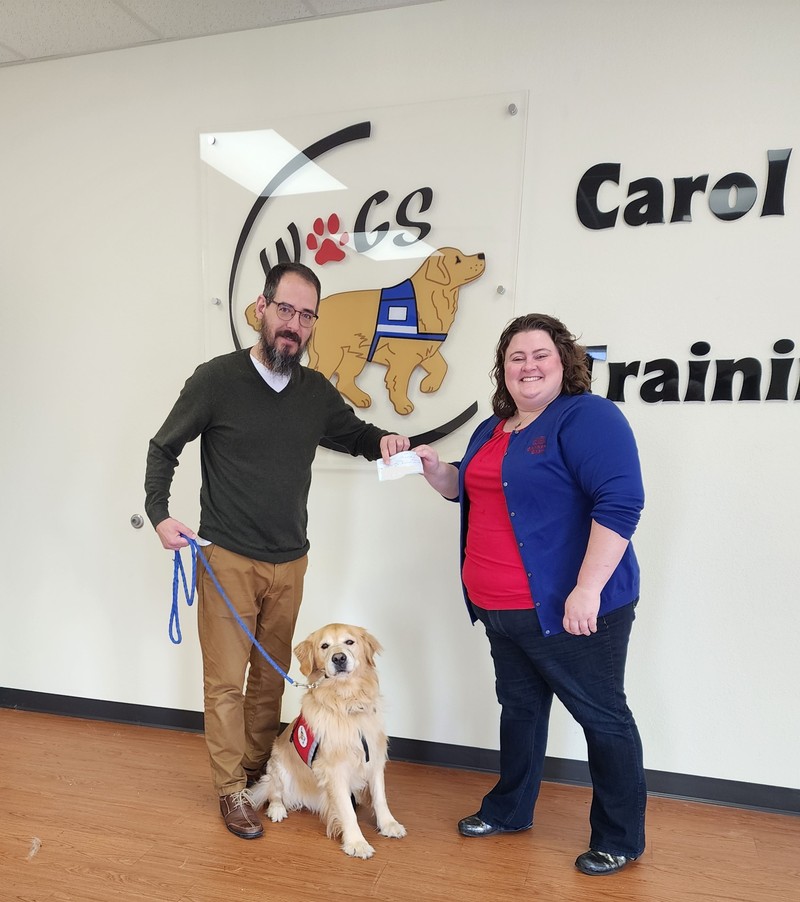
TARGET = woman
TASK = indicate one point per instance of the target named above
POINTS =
(551, 492)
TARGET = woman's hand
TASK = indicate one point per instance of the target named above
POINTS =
(429, 457)
(442, 476)
(580, 612)
(603, 553)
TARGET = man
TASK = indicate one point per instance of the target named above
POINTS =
(260, 417)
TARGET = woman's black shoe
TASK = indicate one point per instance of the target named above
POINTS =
(475, 826)
(595, 863)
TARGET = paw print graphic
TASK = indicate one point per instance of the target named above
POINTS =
(327, 247)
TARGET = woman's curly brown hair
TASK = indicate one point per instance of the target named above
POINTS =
(573, 358)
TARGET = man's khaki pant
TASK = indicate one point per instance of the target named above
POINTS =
(240, 727)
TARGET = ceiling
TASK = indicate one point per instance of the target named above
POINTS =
(32, 30)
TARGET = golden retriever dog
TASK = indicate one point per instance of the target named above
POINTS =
(401, 328)
(336, 749)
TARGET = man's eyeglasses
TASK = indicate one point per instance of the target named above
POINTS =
(287, 312)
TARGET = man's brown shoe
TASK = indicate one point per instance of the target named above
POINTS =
(240, 816)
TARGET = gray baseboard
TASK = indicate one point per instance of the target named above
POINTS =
(773, 799)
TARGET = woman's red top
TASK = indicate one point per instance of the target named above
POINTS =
(493, 573)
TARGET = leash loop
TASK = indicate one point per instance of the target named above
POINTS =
(197, 551)
(177, 569)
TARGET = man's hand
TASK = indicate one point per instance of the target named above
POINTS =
(393, 444)
(169, 531)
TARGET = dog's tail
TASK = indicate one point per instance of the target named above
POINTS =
(258, 793)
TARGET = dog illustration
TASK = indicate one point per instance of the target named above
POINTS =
(401, 327)
(336, 749)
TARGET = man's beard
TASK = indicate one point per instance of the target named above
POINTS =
(281, 362)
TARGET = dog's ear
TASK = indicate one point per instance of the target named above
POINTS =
(371, 646)
(436, 269)
(252, 320)
(304, 652)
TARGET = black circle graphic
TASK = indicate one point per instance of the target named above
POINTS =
(355, 132)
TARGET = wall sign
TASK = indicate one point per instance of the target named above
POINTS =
(409, 216)
(704, 378)
(731, 197)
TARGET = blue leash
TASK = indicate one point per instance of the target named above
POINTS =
(174, 621)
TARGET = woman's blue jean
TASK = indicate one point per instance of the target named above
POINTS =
(587, 674)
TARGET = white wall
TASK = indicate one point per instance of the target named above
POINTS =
(102, 319)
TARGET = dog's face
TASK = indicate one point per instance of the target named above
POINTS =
(451, 268)
(337, 650)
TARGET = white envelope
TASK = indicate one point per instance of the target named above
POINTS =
(402, 464)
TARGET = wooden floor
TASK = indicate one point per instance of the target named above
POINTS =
(93, 812)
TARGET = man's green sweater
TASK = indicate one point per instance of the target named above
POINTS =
(256, 450)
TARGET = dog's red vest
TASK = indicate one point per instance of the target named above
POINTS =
(304, 741)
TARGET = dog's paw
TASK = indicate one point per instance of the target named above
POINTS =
(328, 249)
(402, 405)
(276, 812)
(354, 394)
(359, 849)
(392, 829)
(431, 384)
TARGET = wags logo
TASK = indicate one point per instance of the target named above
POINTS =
(400, 327)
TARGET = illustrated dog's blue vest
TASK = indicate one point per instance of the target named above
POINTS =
(397, 317)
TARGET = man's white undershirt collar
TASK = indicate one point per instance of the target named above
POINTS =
(274, 380)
